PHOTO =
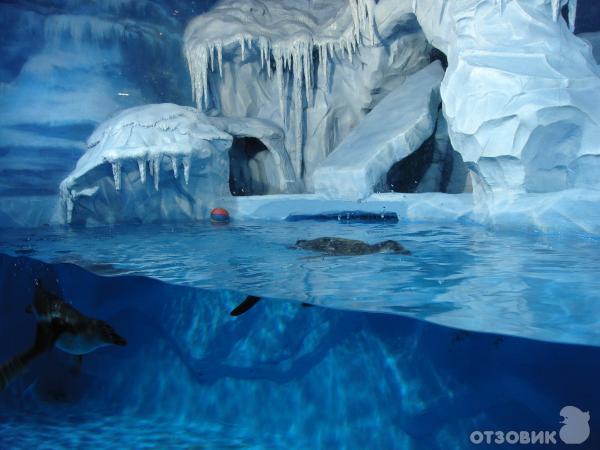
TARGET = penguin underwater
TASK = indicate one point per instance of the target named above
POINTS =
(59, 325)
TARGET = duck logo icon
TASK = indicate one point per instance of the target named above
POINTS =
(575, 429)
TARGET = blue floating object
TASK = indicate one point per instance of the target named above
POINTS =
(347, 217)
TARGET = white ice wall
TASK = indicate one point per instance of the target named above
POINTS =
(521, 93)
(394, 129)
(314, 69)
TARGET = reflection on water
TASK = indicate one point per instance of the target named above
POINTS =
(538, 286)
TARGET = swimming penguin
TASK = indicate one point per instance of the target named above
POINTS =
(335, 246)
(59, 325)
(81, 334)
(252, 300)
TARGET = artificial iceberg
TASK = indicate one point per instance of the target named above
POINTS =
(513, 116)
(303, 91)
(154, 141)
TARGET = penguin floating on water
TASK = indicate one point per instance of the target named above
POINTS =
(331, 246)
(336, 246)
(59, 325)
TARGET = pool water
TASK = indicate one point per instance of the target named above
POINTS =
(532, 285)
(474, 331)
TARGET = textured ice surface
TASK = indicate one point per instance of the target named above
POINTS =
(312, 68)
(149, 163)
(394, 129)
(520, 87)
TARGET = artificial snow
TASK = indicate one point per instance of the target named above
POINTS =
(152, 141)
(394, 129)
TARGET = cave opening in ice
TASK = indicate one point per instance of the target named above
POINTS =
(406, 175)
(249, 163)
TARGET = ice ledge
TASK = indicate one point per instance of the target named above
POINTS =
(572, 211)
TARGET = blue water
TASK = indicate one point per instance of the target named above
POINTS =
(372, 369)
(538, 286)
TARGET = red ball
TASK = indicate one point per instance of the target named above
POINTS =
(219, 215)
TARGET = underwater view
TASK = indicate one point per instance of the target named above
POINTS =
(304, 224)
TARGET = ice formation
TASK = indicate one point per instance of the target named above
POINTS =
(367, 153)
(314, 69)
(131, 169)
(524, 106)
(279, 176)
(292, 85)
(531, 99)
(66, 66)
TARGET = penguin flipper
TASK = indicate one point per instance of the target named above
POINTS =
(248, 303)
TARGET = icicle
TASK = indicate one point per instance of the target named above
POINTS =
(198, 62)
(364, 18)
(116, 170)
(265, 58)
(414, 6)
(555, 9)
(572, 14)
(306, 65)
(326, 63)
(262, 57)
(371, 22)
(211, 57)
(355, 18)
(205, 77)
(349, 50)
(279, 61)
(156, 164)
(242, 46)
(220, 57)
(70, 206)
(174, 163)
(186, 169)
(297, 74)
(142, 169)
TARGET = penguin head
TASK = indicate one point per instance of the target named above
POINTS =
(394, 247)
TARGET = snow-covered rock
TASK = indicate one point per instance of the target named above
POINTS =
(520, 89)
(148, 164)
(394, 129)
(66, 66)
(519, 83)
(312, 68)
